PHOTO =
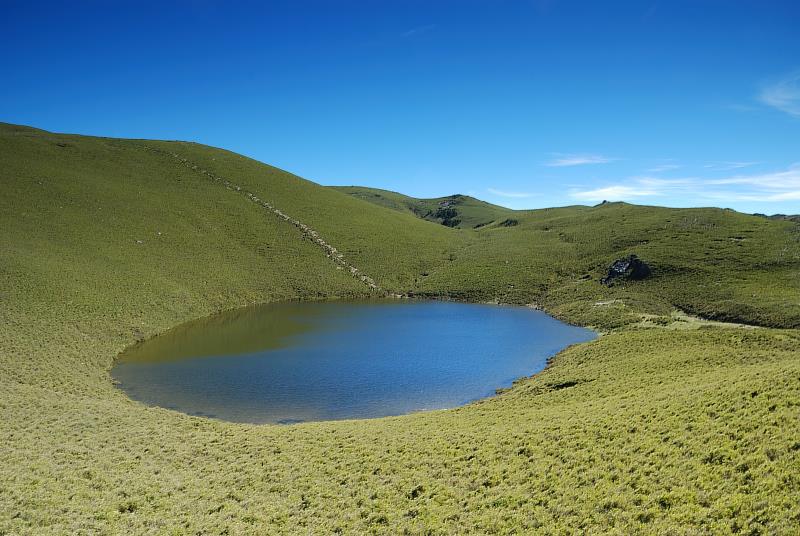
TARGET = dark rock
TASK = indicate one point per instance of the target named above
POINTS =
(628, 268)
(510, 222)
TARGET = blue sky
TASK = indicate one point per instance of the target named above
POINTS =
(525, 104)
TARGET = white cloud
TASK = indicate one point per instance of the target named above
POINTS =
(776, 181)
(614, 193)
(778, 186)
(663, 184)
(783, 95)
(563, 160)
(783, 196)
(514, 195)
(663, 167)
(728, 166)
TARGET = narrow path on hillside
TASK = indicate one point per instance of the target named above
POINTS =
(308, 232)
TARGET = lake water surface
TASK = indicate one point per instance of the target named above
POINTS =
(311, 361)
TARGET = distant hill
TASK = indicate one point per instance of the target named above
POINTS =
(782, 217)
(459, 211)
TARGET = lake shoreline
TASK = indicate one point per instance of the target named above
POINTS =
(486, 345)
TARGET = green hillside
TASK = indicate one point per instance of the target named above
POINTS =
(460, 211)
(666, 424)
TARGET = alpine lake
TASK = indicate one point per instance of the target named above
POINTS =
(310, 361)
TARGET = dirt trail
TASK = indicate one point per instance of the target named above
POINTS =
(304, 229)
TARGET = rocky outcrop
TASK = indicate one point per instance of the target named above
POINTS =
(628, 268)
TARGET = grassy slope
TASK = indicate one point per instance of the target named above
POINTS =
(686, 430)
(390, 246)
(467, 212)
(713, 262)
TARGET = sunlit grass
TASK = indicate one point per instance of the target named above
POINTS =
(649, 429)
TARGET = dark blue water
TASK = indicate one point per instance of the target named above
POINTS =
(294, 362)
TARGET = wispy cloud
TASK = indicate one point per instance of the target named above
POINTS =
(729, 166)
(664, 167)
(777, 186)
(514, 195)
(783, 95)
(664, 184)
(418, 30)
(563, 160)
(788, 179)
(617, 192)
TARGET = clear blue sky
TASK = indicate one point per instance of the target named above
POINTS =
(526, 104)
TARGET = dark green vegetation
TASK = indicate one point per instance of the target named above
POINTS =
(794, 217)
(665, 425)
(461, 211)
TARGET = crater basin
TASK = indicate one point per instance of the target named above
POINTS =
(312, 361)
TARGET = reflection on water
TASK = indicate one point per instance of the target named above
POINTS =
(294, 362)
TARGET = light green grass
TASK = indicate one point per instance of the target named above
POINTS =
(645, 430)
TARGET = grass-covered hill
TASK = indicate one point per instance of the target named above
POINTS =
(460, 211)
(667, 424)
